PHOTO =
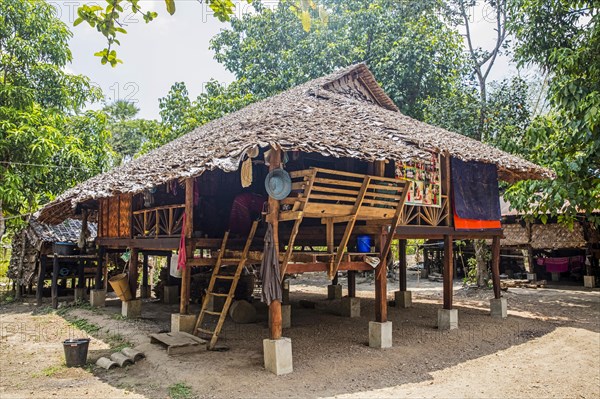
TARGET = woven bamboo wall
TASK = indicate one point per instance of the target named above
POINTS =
(115, 217)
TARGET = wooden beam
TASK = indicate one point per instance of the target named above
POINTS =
(55, 270)
(402, 259)
(188, 232)
(133, 272)
(448, 271)
(351, 283)
(381, 285)
(81, 273)
(381, 269)
(145, 271)
(323, 267)
(99, 269)
(496, 266)
(39, 293)
(275, 320)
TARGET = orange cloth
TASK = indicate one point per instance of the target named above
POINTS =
(474, 224)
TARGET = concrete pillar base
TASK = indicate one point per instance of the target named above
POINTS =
(555, 276)
(498, 308)
(97, 298)
(79, 294)
(380, 334)
(350, 307)
(278, 355)
(286, 316)
(531, 276)
(132, 309)
(589, 281)
(170, 294)
(285, 291)
(183, 323)
(447, 319)
(403, 299)
(145, 292)
(334, 291)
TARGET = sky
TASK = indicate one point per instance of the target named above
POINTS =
(176, 49)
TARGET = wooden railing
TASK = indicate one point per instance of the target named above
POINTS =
(163, 221)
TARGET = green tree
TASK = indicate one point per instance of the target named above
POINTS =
(40, 150)
(409, 47)
(128, 134)
(180, 115)
(567, 139)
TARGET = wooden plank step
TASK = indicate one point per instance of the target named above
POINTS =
(217, 294)
(230, 260)
(222, 277)
(202, 330)
(210, 312)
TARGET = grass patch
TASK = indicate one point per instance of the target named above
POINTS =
(180, 391)
(117, 342)
(51, 371)
(84, 325)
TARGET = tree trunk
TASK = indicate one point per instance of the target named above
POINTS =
(481, 255)
(2, 223)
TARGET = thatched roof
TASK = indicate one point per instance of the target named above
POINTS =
(321, 116)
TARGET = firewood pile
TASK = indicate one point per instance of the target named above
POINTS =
(523, 283)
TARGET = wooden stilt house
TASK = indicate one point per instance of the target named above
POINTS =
(358, 168)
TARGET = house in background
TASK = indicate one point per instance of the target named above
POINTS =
(33, 246)
(550, 250)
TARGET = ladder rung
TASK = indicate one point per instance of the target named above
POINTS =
(212, 313)
(202, 330)
(224, 277)
(218, 294)
(231, 260)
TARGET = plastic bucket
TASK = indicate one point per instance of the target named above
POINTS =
(363, 243)
(76, 351)
(121, 286)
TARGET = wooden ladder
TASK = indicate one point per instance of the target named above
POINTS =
(216, 275)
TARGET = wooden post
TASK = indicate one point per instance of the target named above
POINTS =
(186, 274)
(381, 286)
(275, 320)
(448, 269)
(402, 259)
(352, 283)
(496, 266)
(81, 274)
(55, 282)
(133, 272)
(99, 268)
(169, 278)
(329, 239)
(39, 292)
(145, 272)
(381, 270)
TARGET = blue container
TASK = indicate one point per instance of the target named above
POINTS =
(363, 243)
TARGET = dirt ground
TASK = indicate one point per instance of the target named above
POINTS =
(548, 347)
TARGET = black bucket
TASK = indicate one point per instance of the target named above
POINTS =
(76, 351)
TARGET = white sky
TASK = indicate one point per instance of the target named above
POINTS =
(175, 48)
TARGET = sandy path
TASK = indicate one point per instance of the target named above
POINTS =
(548, 347)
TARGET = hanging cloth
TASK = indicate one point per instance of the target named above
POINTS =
(269, 270)
(181, 258)
(246, 172)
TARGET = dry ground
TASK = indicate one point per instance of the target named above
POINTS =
(548, 347)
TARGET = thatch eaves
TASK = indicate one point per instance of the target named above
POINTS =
(321, 116)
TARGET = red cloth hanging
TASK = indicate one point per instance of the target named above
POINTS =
(182, 253)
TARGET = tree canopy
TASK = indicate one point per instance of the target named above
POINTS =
(44, 147)
(409, 47)
(567, 138)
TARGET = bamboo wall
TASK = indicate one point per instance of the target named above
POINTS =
(115, 217)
